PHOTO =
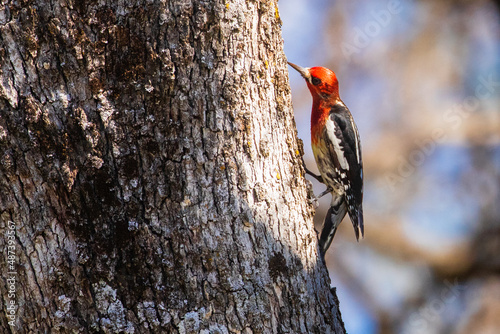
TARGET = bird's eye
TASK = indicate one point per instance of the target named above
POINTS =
(315, 81)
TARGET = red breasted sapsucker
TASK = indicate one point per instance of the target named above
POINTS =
(337, 150)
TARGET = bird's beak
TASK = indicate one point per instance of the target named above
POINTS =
(303, 71)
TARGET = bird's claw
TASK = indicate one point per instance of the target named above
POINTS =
(312, 198)
(314, 201)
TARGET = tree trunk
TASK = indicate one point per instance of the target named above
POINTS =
(150, 174)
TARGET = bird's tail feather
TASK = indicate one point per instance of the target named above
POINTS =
(334, 216)
(357, 222)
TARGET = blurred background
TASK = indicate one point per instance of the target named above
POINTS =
(422, 80)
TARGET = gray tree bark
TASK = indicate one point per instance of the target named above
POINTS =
(150, 173)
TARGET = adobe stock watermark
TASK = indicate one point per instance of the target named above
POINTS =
(11, 274)
(421, 321)
(362, 37)
(452, 119)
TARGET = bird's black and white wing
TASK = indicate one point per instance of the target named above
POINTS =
(344, 147)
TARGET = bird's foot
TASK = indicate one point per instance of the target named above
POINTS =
(327, 191)
(312, 198)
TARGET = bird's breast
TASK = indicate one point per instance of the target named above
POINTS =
(318, 121)
(325, 166)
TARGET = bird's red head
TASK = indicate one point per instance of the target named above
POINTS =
(322, 82)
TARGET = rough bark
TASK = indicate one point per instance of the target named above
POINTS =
(151, 172)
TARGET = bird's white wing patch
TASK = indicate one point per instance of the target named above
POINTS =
(356, 138)
(330, 128)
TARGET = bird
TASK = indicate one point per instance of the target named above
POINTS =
(336, 147)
